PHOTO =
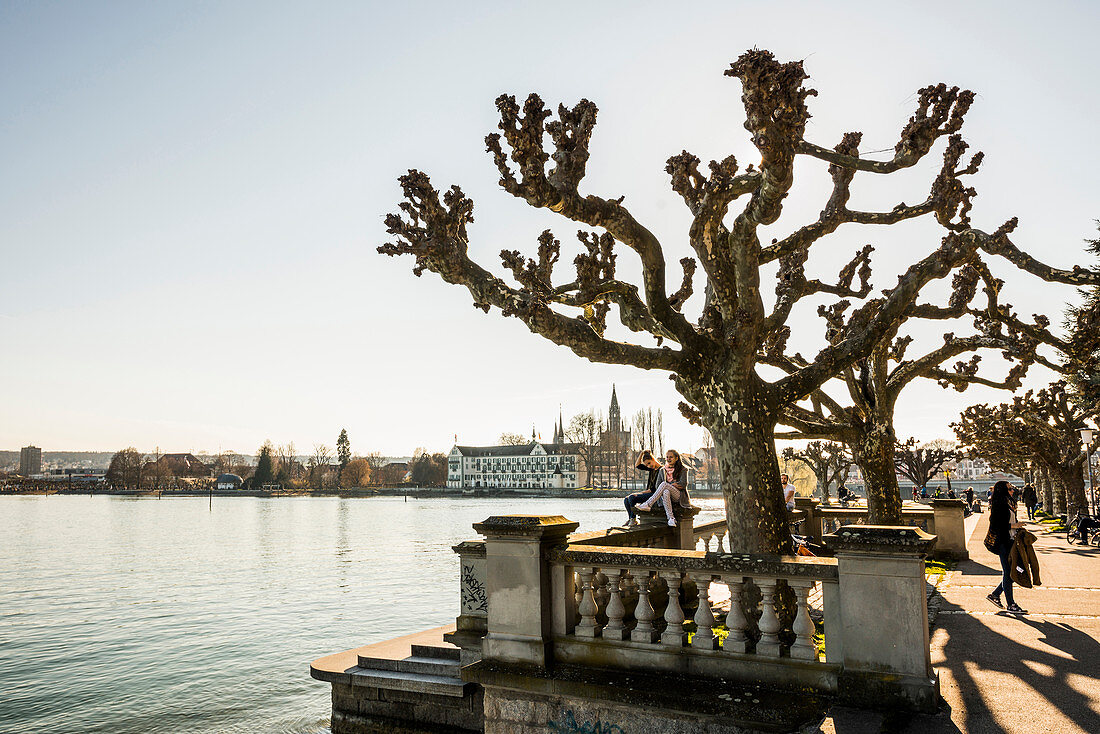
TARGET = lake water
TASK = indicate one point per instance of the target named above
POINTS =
(144, 615)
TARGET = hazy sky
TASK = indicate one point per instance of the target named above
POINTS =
(191, 195)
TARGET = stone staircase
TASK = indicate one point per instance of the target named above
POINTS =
(429, 669)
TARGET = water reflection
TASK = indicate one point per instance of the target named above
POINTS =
(130, 615)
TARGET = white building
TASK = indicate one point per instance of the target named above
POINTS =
(972, 468)
(532, 465)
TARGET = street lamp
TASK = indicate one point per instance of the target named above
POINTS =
(1086, 439)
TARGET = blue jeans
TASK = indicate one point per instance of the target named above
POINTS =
(1003, 550)
(635, 499)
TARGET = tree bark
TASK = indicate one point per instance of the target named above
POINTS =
(1074, 484)
(875, 455)
(742, 421)
(1047, 491)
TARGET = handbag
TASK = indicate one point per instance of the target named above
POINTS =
(990, 540)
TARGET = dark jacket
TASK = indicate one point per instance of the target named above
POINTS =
(653, 479)
(1024, 564)
(1030, 497)
(1000, 517)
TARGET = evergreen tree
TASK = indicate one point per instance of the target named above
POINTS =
(343, 449)
(265, 467)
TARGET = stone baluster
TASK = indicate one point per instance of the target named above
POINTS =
(673, 635)
(615, 629)
(737, 641)
(587, 627)
(769, 624)
(803, 627)
(721, 542)
(599, 584)
(643, 631)
(704, 638)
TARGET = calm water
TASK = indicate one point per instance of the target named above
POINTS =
(123, 615)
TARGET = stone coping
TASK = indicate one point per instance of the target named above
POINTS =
(822, 569)
(620, 538)
(530, 526)
(475, 548)
(825, 510)
(880, 539)
(948, 502)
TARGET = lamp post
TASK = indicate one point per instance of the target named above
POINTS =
(1086, 439)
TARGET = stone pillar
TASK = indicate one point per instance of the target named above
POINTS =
(683, 535)
(883, 617)
(812, 526)
(473, 601)
(518, 585)
(950, 530)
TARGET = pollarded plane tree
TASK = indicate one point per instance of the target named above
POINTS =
(1039, 425)
(829, 460)
(714, 359)
(865, 421)
(920, 463)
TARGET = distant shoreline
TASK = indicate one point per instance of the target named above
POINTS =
(414, 492)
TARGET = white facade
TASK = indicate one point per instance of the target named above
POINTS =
(531, 466)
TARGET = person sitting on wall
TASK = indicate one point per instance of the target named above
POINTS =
(652, 468)
(672, 489)
(843, 495)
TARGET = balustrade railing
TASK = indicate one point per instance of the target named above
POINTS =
(641, 598)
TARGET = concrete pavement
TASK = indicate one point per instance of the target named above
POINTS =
(1007, 674)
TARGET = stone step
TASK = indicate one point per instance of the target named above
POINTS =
(434, 651)
(398, 680)
(412, 664)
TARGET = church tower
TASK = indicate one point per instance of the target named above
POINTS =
(559, 429)
(614, 420)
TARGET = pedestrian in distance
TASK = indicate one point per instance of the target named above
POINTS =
(1031, 499)
(1000, 540)
(646, 463)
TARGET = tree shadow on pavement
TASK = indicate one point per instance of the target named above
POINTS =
(975, 651)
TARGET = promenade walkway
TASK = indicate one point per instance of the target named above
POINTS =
(1007, 674)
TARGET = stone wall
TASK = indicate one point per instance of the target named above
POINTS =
(512, 712)
(369, 710)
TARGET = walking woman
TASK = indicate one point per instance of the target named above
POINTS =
(1003, 525)
(671, 488)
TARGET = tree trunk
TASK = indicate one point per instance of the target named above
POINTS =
(1059, 491)
(1074, 483)
(741, 421)
(874, 452)
(1047, 490)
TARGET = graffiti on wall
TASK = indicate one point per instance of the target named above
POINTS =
(570, 725)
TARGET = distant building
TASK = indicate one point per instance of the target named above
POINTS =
(178, 465)
(30, 460)
(612, 460)
(228, 481)
(971, 468)
(533, 465)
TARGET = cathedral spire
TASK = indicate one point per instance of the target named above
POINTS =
(614, 421)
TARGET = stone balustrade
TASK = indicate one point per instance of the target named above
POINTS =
(637, 600)
(556, 605)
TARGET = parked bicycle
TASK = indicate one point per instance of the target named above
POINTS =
(1084, 528)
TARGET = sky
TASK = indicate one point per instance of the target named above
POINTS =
(191, 195)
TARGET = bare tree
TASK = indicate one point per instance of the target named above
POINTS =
(376, 461)
(513, 439)
(584, 430)
(1039, 426)
(828, 460)
(919, 464)
(319, 465)
(714, 360)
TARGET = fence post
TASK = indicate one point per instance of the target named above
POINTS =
(884, 616)
(518, 585)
